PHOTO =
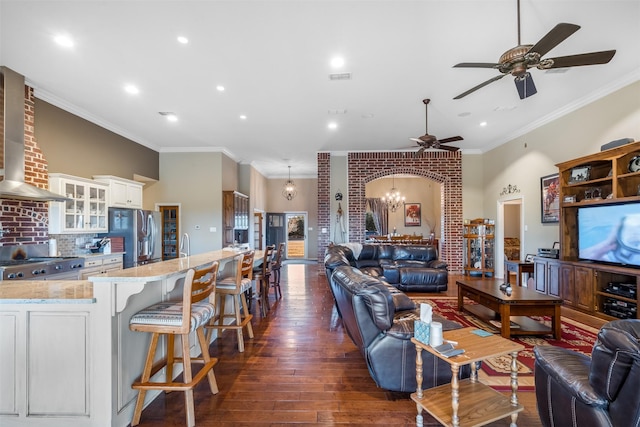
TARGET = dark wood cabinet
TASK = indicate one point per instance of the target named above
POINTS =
(608, 291)
(547, 276)
(235, 207)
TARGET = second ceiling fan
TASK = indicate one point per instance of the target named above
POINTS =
(516, 61)
(430, 141)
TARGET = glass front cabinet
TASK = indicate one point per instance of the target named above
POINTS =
(86, 209)
(170, 231)
(479, 247)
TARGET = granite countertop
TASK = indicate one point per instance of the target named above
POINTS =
(81, 291)
(47, 292)
(165, 269)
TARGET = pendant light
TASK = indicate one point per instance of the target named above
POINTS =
(289, 190)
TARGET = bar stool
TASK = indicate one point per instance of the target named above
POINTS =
(178, 318)
(235, 287)
(262, 276)
(275, 270)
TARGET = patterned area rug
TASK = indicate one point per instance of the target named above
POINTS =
(495, 372)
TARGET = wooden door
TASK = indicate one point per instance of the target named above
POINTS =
(584, 280)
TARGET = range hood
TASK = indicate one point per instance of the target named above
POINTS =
(13, 186)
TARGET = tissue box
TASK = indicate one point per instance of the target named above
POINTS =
(421, 331)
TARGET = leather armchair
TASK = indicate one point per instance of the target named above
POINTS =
(573, 389)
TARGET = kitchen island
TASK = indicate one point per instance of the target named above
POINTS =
(68, 356)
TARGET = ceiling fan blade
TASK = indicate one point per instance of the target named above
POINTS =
(448, 148)
(477, 65)
(592, 58)
(554, 37)
(481, 85)
(420, 151)
(419, 141)
(452, 139)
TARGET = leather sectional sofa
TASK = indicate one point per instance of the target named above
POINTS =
(379, 319)
(410, 268)
(573, 389)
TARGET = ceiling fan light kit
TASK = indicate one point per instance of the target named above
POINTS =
(517, 60)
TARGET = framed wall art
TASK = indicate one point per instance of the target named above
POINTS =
(580, 174)
(550, 203)
(412, 215)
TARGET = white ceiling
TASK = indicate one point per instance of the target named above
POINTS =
(273, 58)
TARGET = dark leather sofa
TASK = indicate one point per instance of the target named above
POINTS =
(602, 390)
(379, 319)
(410, 268)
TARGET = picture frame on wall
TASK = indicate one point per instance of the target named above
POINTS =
(412, 215)
(550, 207)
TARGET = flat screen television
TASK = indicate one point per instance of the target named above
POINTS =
(610, 233)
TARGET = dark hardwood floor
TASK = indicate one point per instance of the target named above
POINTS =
(300, 369)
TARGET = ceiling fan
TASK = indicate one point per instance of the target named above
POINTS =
(516, 61)
(430, 141)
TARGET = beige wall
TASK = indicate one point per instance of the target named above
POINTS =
(415, 190)
(525, 160)
(305, 201)
(192, 180)
(77, 147)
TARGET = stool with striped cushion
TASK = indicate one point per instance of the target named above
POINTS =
(178, 318)
(235, 287)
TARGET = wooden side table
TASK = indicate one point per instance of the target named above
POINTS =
(517, 267)
(468, 402)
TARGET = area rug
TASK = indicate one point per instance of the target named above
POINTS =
(496, 372)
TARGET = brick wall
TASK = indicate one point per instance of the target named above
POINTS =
(27, 222)
(324, 202)
(443, 167)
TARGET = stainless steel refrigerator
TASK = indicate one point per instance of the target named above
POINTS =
(141, 232)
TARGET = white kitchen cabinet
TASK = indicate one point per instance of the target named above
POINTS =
(98, 264)
(124, 193)
(85, 211)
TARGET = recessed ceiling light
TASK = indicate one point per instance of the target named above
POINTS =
(337, 62)
(332, 125)
(183, 39)
(64, 40)
(483, 124)
(220, 88)
(133, 90)
(243, 117)
(169, 116)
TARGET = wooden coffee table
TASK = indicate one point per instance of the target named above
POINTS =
(495, 304)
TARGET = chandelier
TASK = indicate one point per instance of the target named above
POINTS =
(289, 190)
(393, 199)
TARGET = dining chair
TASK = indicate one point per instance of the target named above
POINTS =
(262, 277)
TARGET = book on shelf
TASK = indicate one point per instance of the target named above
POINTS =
(498, 324)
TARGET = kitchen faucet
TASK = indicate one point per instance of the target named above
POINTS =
(185, 239)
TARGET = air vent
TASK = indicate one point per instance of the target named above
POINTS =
(340, 76)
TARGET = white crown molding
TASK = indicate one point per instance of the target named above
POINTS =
(626, 80)
(75, 110)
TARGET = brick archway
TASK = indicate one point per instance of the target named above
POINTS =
(442, 167)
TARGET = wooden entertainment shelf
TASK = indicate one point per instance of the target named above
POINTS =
(605, 178)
